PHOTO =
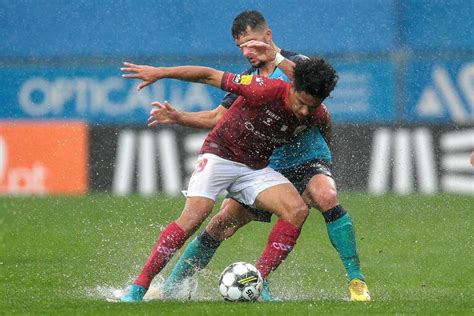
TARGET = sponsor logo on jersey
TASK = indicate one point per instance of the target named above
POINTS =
(242, 79)
(273, 115)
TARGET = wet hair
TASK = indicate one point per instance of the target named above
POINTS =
(248, 18)
(314, 76)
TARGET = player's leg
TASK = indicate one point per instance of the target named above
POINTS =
(230, 218)
(211, 176)
(322, 192)
(284, 201)
(201, 249)
(169, 241)
(271, 191)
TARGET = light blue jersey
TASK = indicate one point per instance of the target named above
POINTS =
(306, 146)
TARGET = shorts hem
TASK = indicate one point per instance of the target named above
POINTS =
(200, 195)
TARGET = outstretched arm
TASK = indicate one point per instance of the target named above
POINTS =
(151, 74)
(265, 53)
(165, 113)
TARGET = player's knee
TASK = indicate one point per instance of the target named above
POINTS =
(296, 213)
(302, 211)
(326, 198)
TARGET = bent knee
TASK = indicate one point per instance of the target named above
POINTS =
(325, 199)
(296, 213)
(302, 211)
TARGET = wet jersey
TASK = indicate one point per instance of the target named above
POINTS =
(258, 121)
(305, 146)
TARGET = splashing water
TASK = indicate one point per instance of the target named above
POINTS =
(187, 290)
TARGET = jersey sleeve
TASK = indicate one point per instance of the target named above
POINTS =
(294, 57)
(229, 97)
(298, 57)
(255, 89)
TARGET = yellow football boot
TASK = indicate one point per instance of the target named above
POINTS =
(359, 291)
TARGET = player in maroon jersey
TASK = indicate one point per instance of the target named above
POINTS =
(234, 156)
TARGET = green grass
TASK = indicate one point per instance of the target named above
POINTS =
(64, 255)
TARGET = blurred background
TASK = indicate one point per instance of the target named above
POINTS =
(69, 124)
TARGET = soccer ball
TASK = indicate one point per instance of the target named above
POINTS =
(240, 281)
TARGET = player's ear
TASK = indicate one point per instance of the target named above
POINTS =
(268, 35)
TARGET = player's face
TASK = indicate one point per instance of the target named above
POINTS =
(303, 104)
(257, 35)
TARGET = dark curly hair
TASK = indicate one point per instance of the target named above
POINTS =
(315, 76)
(247, 18)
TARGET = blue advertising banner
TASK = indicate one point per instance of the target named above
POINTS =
(95, 94)
(440, 91)
(364, 93)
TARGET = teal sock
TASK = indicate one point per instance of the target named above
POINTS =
(195, 257)
(342, 236)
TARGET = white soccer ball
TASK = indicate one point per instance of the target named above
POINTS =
(240, 281)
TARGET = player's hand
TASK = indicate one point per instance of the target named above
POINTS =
(162, 113)
(148, 74)
(263, 52)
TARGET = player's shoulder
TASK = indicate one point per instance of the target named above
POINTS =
(321, 114)
(294, 57)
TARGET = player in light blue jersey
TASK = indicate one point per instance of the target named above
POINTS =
(305, 162)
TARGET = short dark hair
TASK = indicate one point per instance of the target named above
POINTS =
(314, 76)
(247, 18)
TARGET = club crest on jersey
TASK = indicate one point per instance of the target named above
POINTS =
(242, 79)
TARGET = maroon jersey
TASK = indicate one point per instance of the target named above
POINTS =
(258, 121)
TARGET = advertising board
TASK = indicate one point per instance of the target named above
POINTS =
(43, 158)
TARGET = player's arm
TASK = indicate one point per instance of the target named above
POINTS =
(265, 53)
(165, 113)
(203, 119)
(324, 122)
(150, 74)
